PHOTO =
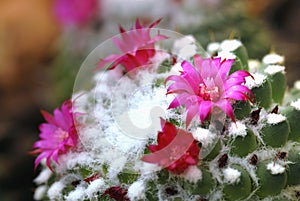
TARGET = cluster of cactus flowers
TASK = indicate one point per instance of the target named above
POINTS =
(222, 127)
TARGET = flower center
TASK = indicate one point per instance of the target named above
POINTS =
(62, 134)
(208, 93)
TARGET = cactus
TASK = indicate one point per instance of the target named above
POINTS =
(252, 154)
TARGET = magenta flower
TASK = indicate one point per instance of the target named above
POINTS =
(137, 48)
(176, 149)
(75, 12)
(58, 135)
(206, 86)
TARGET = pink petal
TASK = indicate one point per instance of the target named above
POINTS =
(204, 109)
(226, 107)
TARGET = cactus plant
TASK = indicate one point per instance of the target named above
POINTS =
(176, 128)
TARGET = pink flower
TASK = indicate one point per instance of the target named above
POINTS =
(58, 135)
(137, 48)
(206, 86)
(75, 12)
(176, 149)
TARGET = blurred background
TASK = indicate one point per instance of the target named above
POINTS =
(44, 42)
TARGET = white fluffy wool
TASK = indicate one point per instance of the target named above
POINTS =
(185, 47)
(76, 195)
(258, 80)
(43, 176)
(253, 65)
(275, 168)
(273, 69)
(230, 45)
(146, 168)
(275, 118)
(296, 104)
(39, 192)
(297, 85)
(213, 47)
(237, 129)
(136, 191)
(231, 175)
(226, 55)
(204, 136)
(193, 174)
(54, 192)
(273, 59)
(176, 69)
(95, 186)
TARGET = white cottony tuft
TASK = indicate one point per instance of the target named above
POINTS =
(76, 195)
(230, 45)
(226, 55)
(258, 80)
(297, 84)
(94, 187)
(176, 69)
(55, 191)
(275, 168)
(213, 47)
(185, 47)
(273, 69)
(43, 176)
(231, 175)
(136, 191)
(275, 118)
(237, 129)
(39, 192)
(253, 65)
(296, 104)
(273, 59)
(193, 174)
(204, 136)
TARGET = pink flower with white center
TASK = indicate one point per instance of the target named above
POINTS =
(75, 12)
(58, 135)
(137, 48)
(208, 85)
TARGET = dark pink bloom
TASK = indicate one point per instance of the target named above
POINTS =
(137, 48)
(75, 12)
(58, 135)
(208, 85)
(176, 149)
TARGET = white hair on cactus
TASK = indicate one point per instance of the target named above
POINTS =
(275, 118)
(146, 168)
(275, 168)
(226, 55)
(177, 69)
(213, 47)
(258, 80)
(231, 175)
(95, 186)
(43, 176)
(273, 59)
(273, 69)
(55, 190)
(72, 159)
(253, 65)
(193, 174)
(230, 45)
(136, 191)
(204, 136)
(297, 85)
(76, 195)
(40, 192)
(237, 129)
(185, 47)
(296, 104)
